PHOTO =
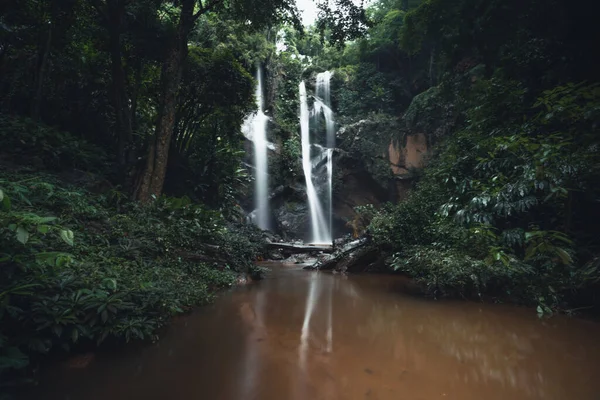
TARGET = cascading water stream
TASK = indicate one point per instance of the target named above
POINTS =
(319, 227)
(330, 187)
(255, 129)
(323, 92)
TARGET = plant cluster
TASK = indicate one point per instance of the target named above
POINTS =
(78, 269)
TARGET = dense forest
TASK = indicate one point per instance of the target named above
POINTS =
(124, 182)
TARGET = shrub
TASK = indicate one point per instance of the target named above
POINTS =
(73, 270)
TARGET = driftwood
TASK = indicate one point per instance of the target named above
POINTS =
(300, 248)
(349, 256)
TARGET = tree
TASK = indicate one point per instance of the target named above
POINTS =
(152, 176)
(112, 15)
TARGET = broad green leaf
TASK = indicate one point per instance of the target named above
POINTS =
(74, 335)
(43, 229)
(564, 256)
(22, 235)
(110, 283)
(53, 258)
(67, 236)
(5, 203)
(57, 329)
(45, 220)
(540, 311)
(14, 359)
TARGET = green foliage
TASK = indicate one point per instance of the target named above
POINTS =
(217, 94)
(501, 208)
(287, 166)
(73, 270)
(48, 147)
(360, 89)
(446, 272)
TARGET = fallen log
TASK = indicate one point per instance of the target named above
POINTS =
(341, 255)
(300, 248)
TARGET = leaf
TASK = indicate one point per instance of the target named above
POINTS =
(110, 283)
(43, 229)
(53, 258)
(13, 358)
(1, 195)
(540, 311)
(22, 235)
(57, 329)
(5, 203)
(74, 335)
(67, 236)
(45, 220)
(564, 256)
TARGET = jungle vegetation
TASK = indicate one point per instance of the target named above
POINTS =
(121, 158)
(507, 94)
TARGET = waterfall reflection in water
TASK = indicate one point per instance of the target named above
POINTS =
(275, 340)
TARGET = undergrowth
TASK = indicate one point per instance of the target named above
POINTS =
(78, 268)
(505, 207)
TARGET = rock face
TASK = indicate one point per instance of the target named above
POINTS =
(290, 211)
(375, 161)
(372, 166)
(404, 159)
(376, 164)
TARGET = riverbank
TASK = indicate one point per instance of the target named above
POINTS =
(304, 334)
(81, 265)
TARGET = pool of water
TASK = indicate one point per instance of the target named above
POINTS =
(314, 335)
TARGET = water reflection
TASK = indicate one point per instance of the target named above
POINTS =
(301, 335)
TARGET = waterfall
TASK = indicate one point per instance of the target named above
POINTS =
(321, 225)
(319, 229)
(255, 129)
(330, 187)
(323, 93)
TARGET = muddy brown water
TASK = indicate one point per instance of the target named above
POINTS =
(313, 335)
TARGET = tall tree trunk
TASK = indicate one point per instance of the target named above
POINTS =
(152, 178)
(41, 72)
(431, 59)
(138, 67)
(116, 12)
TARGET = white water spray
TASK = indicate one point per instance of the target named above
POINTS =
(255, 129)
(323, 93)
(321, 224)
(320, 233)
(330, 187)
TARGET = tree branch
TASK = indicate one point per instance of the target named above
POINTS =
(207, 8)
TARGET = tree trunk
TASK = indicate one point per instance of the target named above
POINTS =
(152, 178)
(39, 77)
(136, 92)
(116, 11)
(431, 58)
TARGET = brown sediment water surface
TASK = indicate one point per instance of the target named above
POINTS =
(314, 335)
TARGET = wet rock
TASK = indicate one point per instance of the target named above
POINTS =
(292, 219)
(276, 255)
